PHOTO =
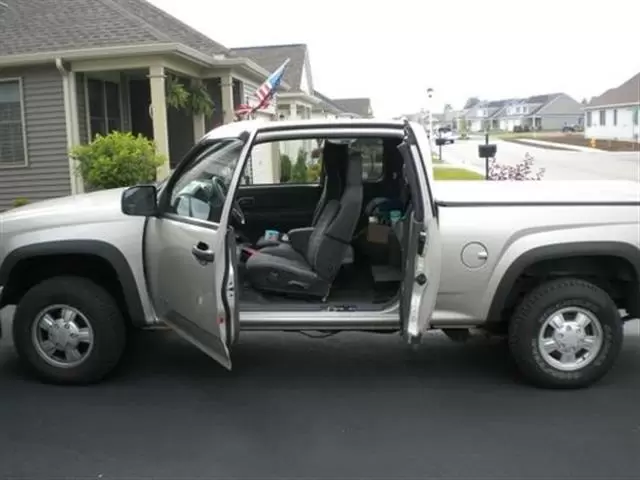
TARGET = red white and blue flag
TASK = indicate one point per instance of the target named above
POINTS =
(265, 92)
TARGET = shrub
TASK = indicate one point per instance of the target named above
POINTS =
(20, 201)
(299, 172)
(285, 168)
(117, 160)
(520, 171)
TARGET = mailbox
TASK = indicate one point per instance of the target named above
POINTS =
(487, 150)
(441, 141)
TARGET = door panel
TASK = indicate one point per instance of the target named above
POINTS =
(423, 260)
(280, 207)
(181, 260)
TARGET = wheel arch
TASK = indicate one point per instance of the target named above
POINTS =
(625, 252)
(96, 249)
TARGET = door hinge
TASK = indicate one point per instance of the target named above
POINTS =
(422, 242)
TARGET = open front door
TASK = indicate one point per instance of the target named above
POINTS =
(423, 249)
(189, 250)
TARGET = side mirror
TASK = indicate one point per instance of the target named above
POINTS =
(140, 201)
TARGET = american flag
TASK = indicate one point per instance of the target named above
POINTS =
(265, 92)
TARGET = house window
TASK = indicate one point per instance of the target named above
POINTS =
(603, 117)
(589, 120)
(615, 117)
(12, 131)
(104, 106)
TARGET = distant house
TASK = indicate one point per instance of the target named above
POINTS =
(614, 114)
(325, 108)
(355, 107)
(538, 112)
(71, 70)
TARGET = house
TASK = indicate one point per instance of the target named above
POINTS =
(325, 108)
(537, 112)
(299, 101)
(71, 70)
(355, 107)
(614, 114)
(480, 116)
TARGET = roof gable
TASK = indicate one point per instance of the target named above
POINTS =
(31, 26)
(627, 93)
(272, 56)
(359, 106)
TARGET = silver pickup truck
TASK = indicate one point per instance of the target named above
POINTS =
(552, 266)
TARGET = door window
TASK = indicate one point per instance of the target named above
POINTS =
(201, 190)
(300, 161)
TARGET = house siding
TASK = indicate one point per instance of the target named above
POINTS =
(623, 130)
(563, 110)
(47, 174)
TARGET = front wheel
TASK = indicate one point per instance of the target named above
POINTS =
(68, 330)
(566, 333)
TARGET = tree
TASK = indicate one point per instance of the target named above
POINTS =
(299, 172)
(471, 102)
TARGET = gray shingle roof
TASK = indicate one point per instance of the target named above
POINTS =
(272, 56)
(326, 102)
(31, 26)
(359, 106)
(627, 93)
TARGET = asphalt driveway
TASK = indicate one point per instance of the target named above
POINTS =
(351, 406)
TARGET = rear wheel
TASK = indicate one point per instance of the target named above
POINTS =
(566, 333)
(68, 330)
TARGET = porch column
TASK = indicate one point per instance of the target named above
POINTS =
(159, 116)
(226, 85)
(198, 118)
(293, 111)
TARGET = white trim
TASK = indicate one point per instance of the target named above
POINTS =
(23, 118)
(613, 105)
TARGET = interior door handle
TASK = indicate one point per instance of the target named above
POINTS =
(246, 201)
(202, 252)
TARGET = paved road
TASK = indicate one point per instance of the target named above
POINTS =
(559, 165)
(345, 407)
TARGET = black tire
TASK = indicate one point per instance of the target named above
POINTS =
(102, 312)
(529, 318)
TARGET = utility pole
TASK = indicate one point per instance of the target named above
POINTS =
(430, 96)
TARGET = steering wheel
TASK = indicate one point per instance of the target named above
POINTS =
(236, 211)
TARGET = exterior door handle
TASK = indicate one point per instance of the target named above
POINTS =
(202, 253)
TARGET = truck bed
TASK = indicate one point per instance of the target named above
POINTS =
(568, 192)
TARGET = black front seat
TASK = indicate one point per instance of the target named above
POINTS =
(311, 269)
(334, 159)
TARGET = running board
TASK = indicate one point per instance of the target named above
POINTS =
(250, 321)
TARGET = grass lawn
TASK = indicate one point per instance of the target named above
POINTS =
(455, 173)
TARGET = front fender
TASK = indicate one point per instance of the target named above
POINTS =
(104, 250)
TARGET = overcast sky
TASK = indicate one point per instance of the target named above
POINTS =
(392, 51)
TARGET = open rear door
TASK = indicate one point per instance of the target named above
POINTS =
(423, 249)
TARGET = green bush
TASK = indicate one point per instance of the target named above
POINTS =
(20, 201)
(299, 172)
(117, 160)
(285, 168)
